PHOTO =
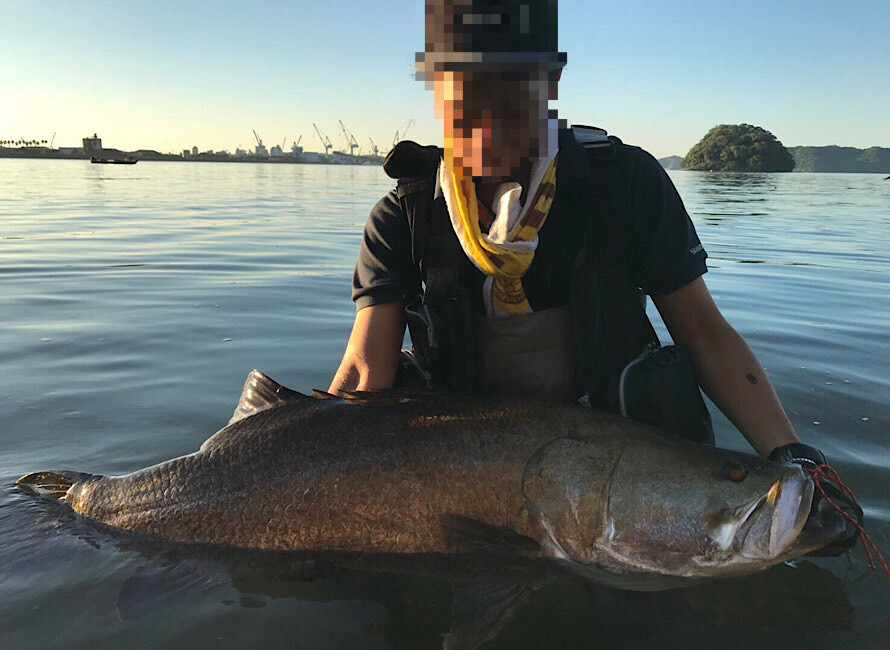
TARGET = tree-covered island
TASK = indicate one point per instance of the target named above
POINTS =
(739, 148)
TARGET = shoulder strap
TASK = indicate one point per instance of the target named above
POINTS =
(595, 139)
(416, 200)
(414, 166)
(442, 324)
(612, 324)
(610, 166)
(435, 249)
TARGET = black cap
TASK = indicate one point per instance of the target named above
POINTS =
(467, 34)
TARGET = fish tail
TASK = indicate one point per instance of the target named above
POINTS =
(55, 484)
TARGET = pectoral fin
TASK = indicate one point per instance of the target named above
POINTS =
(629, 581)
(479, 612)
(465, 534)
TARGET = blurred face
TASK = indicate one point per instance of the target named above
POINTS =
(495, 120)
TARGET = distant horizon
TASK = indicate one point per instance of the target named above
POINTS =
(382, 151)
(795, 146)
(169, 76)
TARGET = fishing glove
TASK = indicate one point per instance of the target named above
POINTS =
(810, 458)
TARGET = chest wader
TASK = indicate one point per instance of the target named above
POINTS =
(602, 344)
(454, 347)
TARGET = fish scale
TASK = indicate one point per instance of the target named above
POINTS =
(428, 473)
(460, 465)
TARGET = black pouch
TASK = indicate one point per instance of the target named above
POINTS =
(414, 369)
(659, 387)
(424, 326)
(411, 373)
(442, 346)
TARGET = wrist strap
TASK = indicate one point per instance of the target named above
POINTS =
(799, 453)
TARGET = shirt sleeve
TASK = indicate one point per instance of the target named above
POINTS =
(667, 252)
(384, 271)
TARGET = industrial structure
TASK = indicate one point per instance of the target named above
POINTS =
(325, 140)
(92, 146)
(349, 153)
(350, 140)
(260, 151)
(401, 136)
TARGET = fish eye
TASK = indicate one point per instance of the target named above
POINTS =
(734, 471)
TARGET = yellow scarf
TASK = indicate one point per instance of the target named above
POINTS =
(506, 262)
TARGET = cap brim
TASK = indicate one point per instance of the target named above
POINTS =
(426, 62)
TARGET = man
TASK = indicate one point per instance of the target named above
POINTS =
(504, 311)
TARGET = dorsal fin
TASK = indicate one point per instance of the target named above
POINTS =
(261, 393)
(391, 395)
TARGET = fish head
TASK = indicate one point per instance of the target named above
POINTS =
(663, 505)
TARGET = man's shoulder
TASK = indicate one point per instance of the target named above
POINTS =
(388, 207)
(603, 148)
(410, 160)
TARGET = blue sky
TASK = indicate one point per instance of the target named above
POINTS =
(170, 75)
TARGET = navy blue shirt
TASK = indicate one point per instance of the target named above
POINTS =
(665, 253)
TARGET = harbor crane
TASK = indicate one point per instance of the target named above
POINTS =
(373, 147)
(397, 137)
(260, 147)
(325, 140)
(350, 139)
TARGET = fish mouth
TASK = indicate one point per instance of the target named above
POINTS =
(772, 523)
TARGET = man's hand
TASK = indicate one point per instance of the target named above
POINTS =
(810, 458)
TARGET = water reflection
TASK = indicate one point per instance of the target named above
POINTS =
(728, 195)
(136, 366)
(723, 181)
(423, 601)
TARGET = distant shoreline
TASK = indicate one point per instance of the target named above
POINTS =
(830, 159)
(44, 153)
(671, 163)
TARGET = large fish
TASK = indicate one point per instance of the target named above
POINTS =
(612, 499)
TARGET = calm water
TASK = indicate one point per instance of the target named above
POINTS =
(135, 300)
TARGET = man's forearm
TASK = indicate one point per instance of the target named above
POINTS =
(733, 378)
(359, 373)
(372, 354)
(347, 377)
